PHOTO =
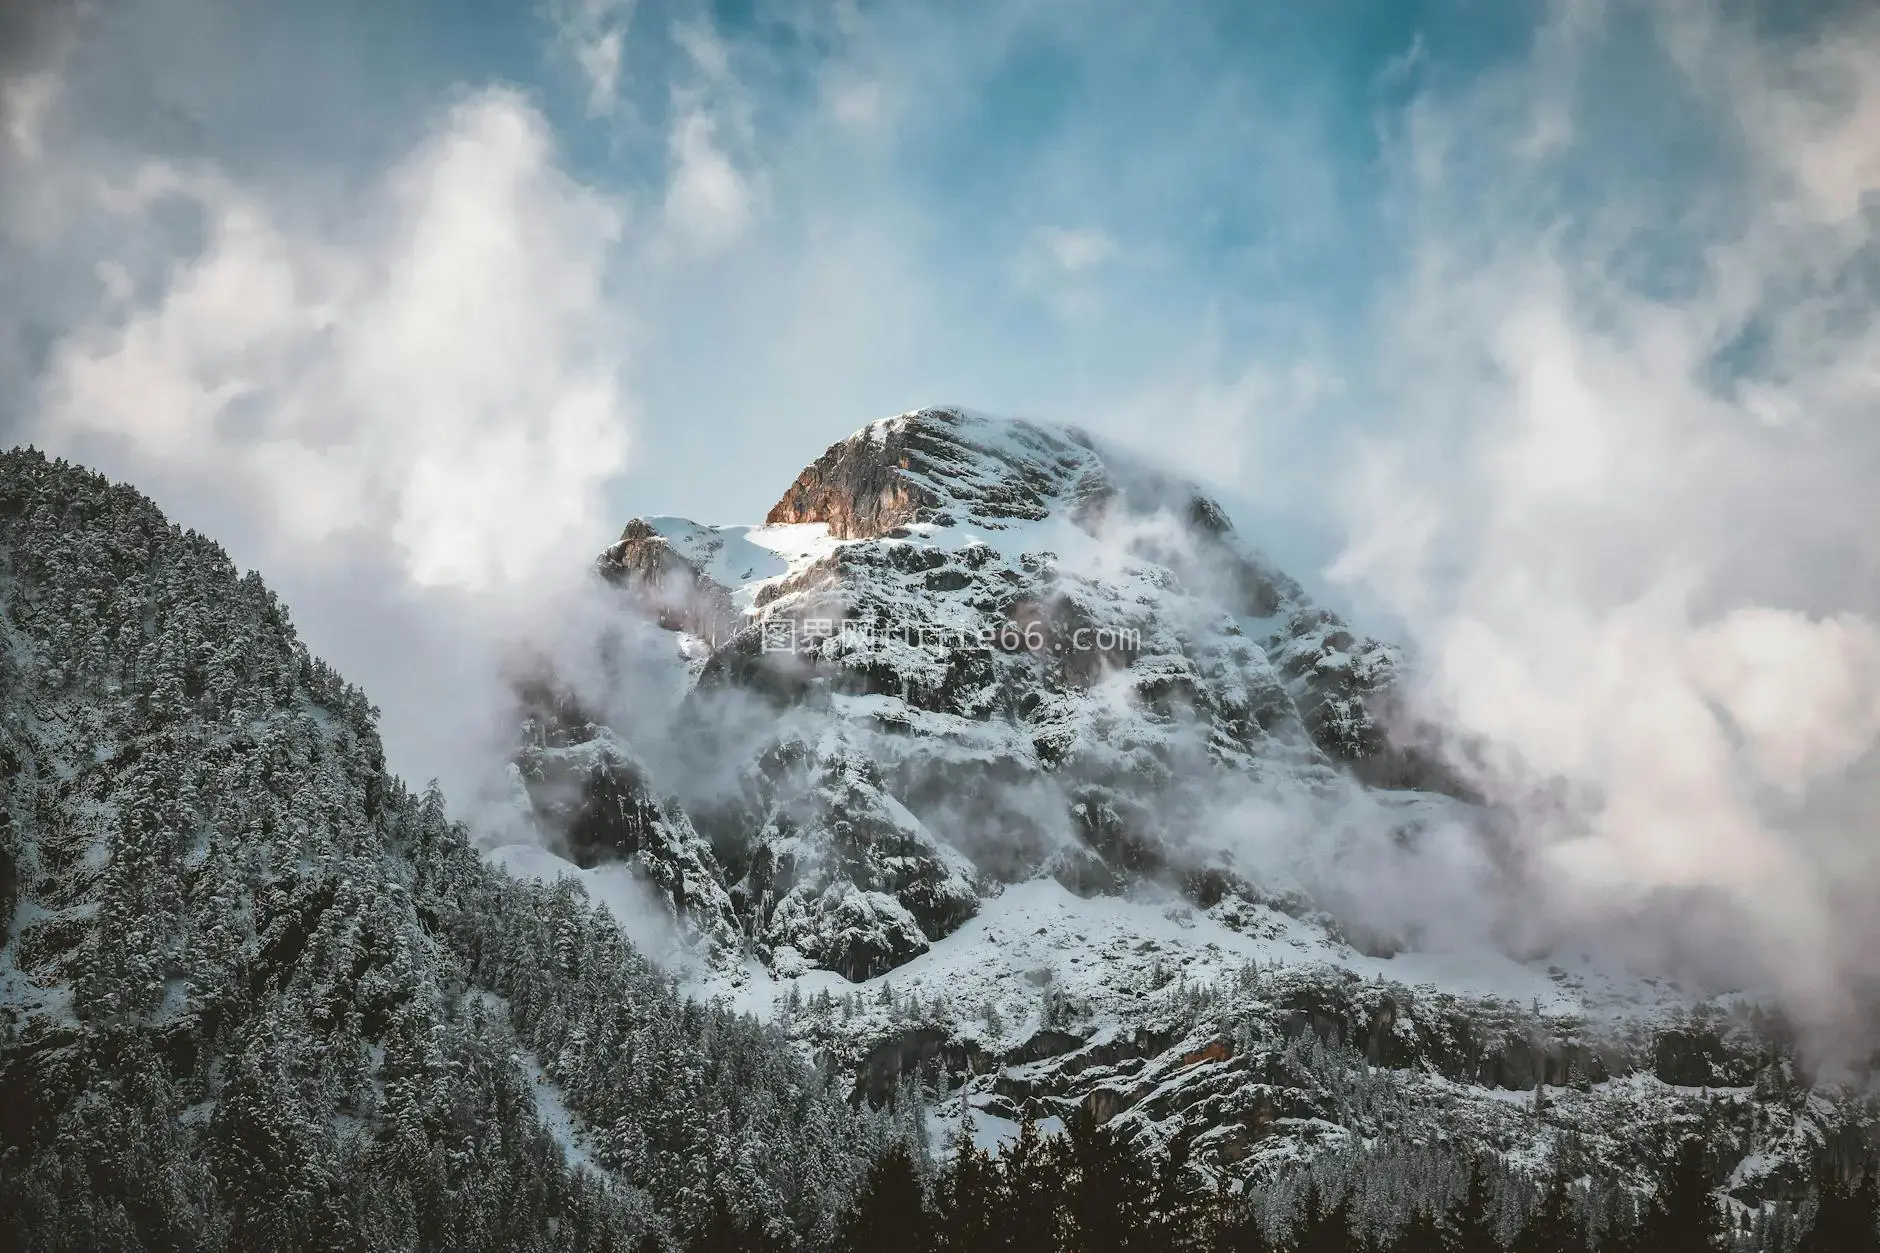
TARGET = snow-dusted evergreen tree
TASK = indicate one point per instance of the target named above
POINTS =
(1846, 1219)
(1684, 1217)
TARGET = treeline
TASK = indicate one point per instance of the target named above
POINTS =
(1089, 1191)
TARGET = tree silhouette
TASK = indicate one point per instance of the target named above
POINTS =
(890, 1214)
(1845, 1217)
(1030, 1189)
(1468, 1226)
(1323, 1228)
(1553, 1227)
(1177, 1201)
(722, 1232)
(1421, 1234)
(1684, 1217)
(1238, 1229)
(1109, 1193)
(967, 1198)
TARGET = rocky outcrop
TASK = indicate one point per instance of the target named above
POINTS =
(945, 466)
(593, 800)
(671, 589)
(856, 933)
(1067, 700)
(843, 875)
(1288, 1062)
(942, 465)
(1344, 685)
(858, 487)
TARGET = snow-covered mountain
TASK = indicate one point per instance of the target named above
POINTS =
(1006, 765)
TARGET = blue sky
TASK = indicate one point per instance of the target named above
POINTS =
(1055, 210)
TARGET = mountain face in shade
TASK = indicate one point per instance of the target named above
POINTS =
(256, 994)
(1026, 776)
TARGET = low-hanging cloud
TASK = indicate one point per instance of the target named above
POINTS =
(437, 376)
(402, 394)
(1627, 512)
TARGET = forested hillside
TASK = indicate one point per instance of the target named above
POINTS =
(256, 993)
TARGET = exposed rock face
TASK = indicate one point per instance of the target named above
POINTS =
(590, 793)
(947, 467)
(672, 588)
(860, 488)
(950, 468)
(856, 933)
(1278, 1064)
(845, 875)
(1344, 685)
(826, 868)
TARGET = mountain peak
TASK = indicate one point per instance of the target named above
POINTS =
(941, 465)
(949, 465)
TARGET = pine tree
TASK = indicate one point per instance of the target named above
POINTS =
(966, 1198)
(1866, 1214)
(890, 1213)
(1324, 1228)
(1108, 1195)
(1684, 1217)
(1177, 1202)
(1242, 1232)
(1553, 1227)
(720, 1232)
(1421, 1233)
(1030, 1191)
(1844, 1219)
(1234, 1224)
(1468, 1225)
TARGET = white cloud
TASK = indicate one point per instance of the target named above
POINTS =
(709, 54)
(709, 203)
(437, 373)
(1225, 420)
(600, 61)
(1816, 124)
(1076, 250)
(857, 104)
(27, 100)
(400, 395)
(1803, 693)
(1618, 568)
(714, 184)
(1063, 266)
(593, 34)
